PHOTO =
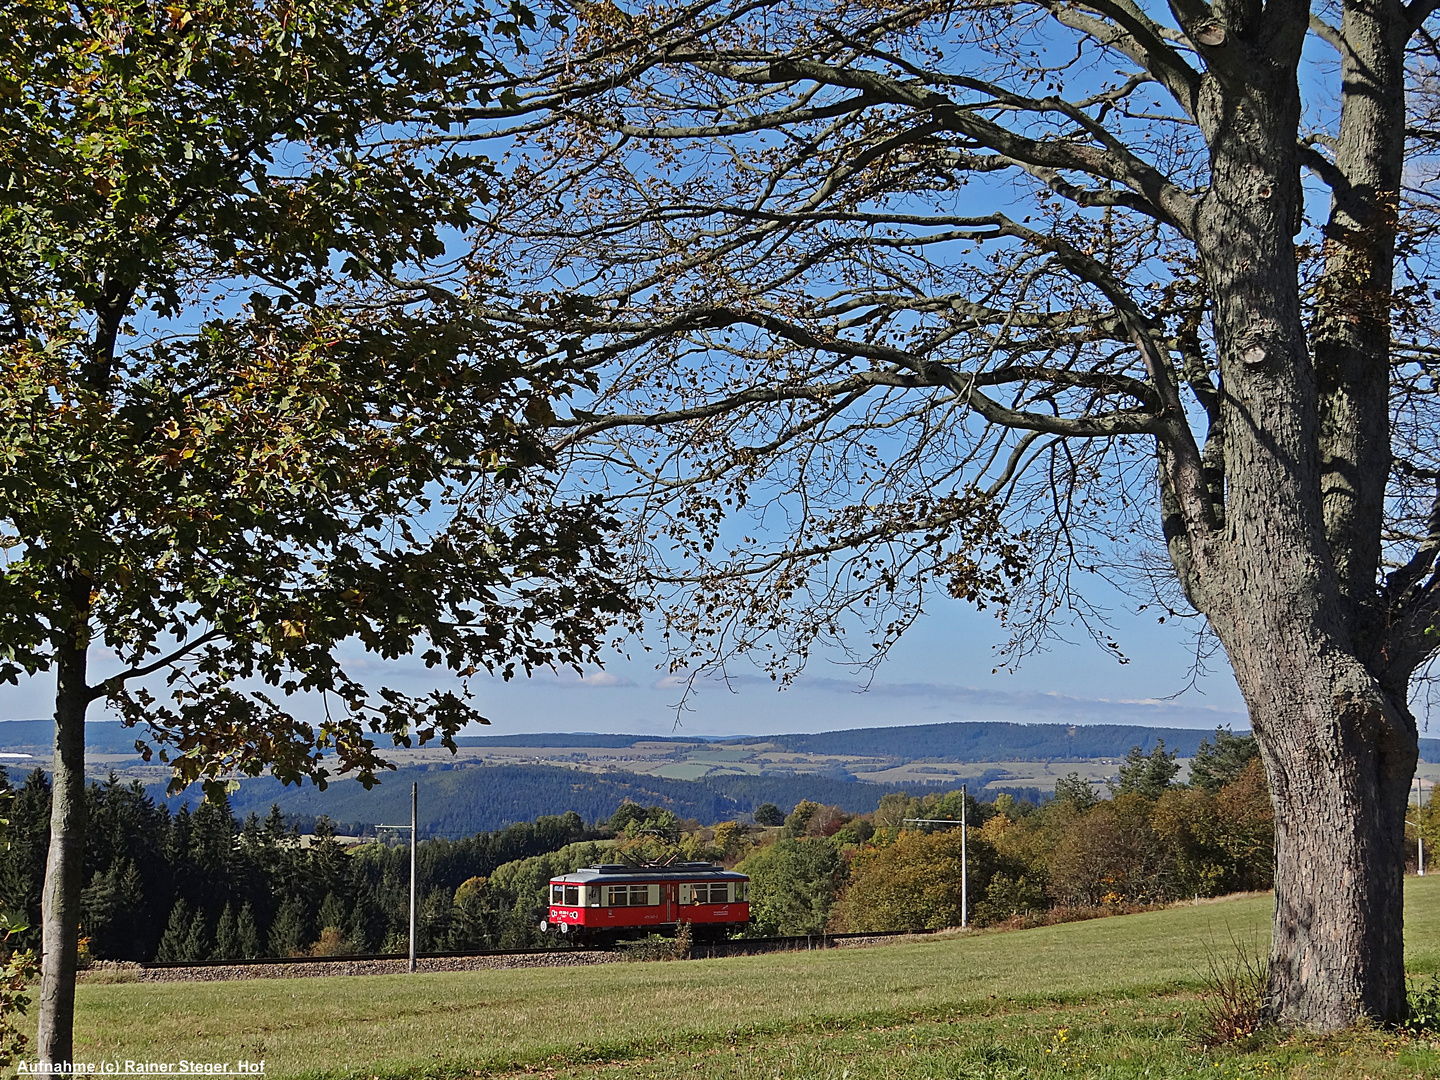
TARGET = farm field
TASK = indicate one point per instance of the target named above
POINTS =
(1110, 998)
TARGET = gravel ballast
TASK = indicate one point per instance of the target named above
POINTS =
(122, 971)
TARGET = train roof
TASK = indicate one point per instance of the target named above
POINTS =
(619, 872)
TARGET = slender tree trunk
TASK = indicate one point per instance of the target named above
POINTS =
(60, 903)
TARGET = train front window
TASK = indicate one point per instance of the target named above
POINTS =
(557, 894)
(572, 895)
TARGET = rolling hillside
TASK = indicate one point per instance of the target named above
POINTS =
(459, 801)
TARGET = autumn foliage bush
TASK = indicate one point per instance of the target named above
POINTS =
(1074, 858)
(910, 883)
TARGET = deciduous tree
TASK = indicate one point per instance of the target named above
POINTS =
(235, 430)
(993, 298)
(913, 883)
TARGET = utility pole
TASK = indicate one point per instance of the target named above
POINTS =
(414, 828)
(414, 822)
(964, 857)
(1419, 836)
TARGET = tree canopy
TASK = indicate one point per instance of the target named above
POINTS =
(232, 433)
(996, 300)
(239, 436)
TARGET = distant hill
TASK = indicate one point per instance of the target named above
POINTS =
(101, 737)
(992, 741)
(460, 800)
(959, 741)
(583, 740)
(111, 737)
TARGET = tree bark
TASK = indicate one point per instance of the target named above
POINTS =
(1350, 334)
(1339, 746)
(60, 902)
(1340, 753)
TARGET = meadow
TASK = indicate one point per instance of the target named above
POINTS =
(1117, 997)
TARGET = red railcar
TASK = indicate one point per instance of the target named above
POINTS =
(613, 900)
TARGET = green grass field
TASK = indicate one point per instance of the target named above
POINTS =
(1110, 998)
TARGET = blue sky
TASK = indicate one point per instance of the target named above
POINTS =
(941, 671)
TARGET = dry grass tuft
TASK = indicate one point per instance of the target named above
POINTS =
(1233, 993)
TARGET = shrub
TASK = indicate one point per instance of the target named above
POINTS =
(657, 947)
(1007, 897)
(793, 884)
(332, 943)
(913, 883)
(1423, 1008)
(17, 971)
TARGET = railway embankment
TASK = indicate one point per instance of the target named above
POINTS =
(107, 972)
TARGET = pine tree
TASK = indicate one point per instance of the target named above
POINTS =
(227, 935)
(332, 912)
(247, 935)
(329, 866)
(1076, 790)
(100, 910)
(172, 942)
(1147, 774)
(275, 829)
(287, 933)
(177, 846)
(197, 938)
(436, 907)
(1215, 766)
(135, 945)
(212, 842)
(365, 927)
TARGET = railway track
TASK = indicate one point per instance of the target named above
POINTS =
(387, 963)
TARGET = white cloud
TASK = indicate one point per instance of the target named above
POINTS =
(605, 678)
(982, 704)
(566, 679)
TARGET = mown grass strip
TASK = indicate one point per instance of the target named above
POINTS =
(488, 1022)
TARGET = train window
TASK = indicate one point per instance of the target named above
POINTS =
(572, 895)
(593, 895)
(639, 895)
(742, 891)
(557, 894)
(711, 893)
(619, 895)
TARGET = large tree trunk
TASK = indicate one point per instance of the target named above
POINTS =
(60, 903)
(1283, 583)
(1340, 754)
